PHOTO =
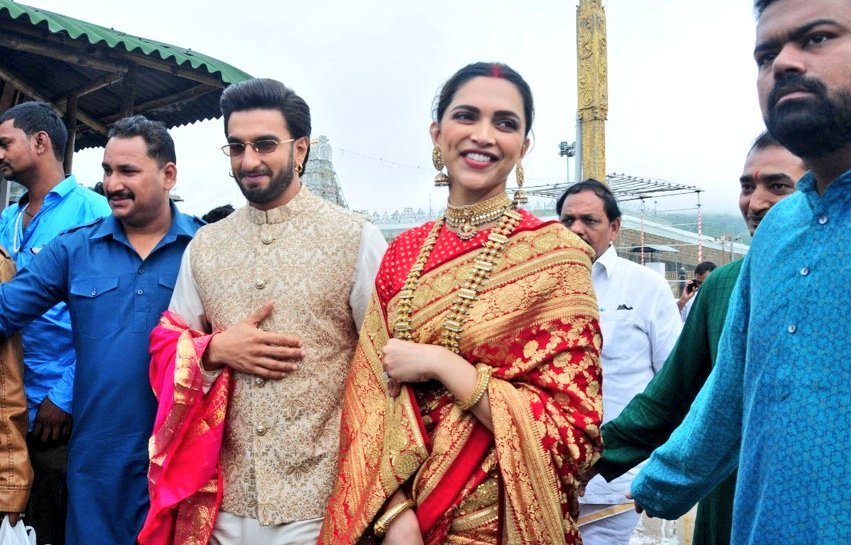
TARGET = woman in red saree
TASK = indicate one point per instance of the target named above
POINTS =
(473, 404)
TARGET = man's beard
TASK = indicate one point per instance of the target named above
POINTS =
(8, 173)
(277, 184)
(811, 127)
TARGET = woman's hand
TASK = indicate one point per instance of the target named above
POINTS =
(405, 530)
(405, 361)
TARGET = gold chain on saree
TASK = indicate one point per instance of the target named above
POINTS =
(481, 270)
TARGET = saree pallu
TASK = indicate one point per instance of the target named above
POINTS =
(184, 476)
(535, 322)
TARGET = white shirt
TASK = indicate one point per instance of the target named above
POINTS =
(640, 323)
(687, 308)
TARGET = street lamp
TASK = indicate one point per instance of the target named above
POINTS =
(567, 150)
(727, 238)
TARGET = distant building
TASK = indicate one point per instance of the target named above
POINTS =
(320, 176)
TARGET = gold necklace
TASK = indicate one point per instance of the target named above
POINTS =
(17, 238)
(481, 270)
(465, 221)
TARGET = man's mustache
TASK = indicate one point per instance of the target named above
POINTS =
(791, 82)
(256, 172)
(120, 195)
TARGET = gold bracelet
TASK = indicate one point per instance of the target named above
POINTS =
(483, 378)
(384, 521)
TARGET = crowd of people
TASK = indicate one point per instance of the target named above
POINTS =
(281, 375)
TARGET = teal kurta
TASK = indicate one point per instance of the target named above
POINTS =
(651, 417)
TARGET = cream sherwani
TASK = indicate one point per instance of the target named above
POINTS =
(317, 262)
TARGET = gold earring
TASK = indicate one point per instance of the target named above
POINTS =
(299, 169)
(441, 179)
(520, 196)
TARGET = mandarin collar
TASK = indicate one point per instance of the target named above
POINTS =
(303, 200)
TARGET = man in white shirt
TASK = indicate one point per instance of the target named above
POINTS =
(640, 324)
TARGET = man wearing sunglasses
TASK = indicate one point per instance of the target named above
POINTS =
(272, 298)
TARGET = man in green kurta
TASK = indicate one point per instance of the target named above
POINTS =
(769, 175)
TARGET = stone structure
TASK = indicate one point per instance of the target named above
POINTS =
(592, 88)
(320, 176)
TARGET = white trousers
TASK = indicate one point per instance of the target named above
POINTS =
(611, 530)
(236, 530)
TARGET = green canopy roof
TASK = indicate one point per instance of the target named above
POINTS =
(104, 74)
(95, 34)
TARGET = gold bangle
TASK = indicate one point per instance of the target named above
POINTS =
(483, 378)
(384, 521)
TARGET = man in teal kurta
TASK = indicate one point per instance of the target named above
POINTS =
(769, 175)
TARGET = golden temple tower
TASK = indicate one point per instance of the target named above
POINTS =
(592, 87)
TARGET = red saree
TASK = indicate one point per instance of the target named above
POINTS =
(184, 476)
(535, 322)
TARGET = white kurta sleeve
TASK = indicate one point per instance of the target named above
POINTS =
(185, 300)
(665, 325)
(372, 247)
(186, 303)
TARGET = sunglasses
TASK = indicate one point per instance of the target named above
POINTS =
(262, 147)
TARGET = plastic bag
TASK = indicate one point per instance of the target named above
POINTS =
(17, 534)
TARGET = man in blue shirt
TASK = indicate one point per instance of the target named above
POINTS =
(778, 401)
(32, 145)
(116, 275)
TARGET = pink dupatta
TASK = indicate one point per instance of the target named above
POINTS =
(184, 476)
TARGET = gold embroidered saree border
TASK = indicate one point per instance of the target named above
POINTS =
(380, 440)
(531, 489)
(468, 522)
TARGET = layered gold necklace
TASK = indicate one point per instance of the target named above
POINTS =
(466, 220)
(481, 270)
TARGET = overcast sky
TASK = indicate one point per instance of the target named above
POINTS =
(682, 93)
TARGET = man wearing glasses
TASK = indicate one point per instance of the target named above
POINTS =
(272, 298)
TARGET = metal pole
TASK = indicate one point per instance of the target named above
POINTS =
(567, 161)
(71, 127)
(567, 151)
(699, 230)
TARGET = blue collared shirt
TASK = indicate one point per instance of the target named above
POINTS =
(48, 346)
(778, 401)
(115, 299)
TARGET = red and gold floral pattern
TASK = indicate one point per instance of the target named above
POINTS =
(535, 322)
